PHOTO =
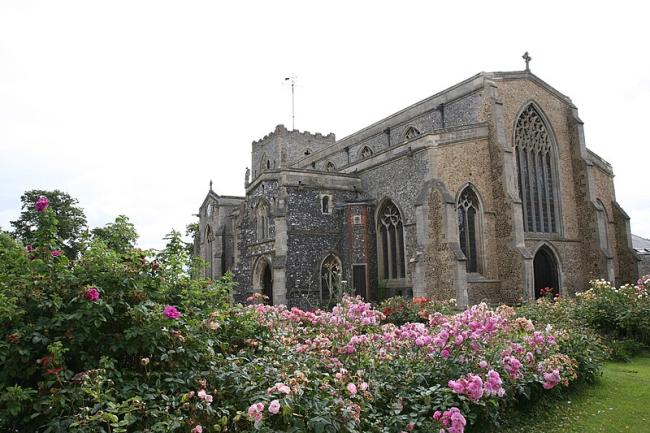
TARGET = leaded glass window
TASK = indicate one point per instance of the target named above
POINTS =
(468, 228)
(330, 273)
(535, 165)
(390, 229)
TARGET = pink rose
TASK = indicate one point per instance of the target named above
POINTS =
(56, 253)
(274, 407)
(255, 412)
(204, 396)
(92, 294)
(171, 312)
(197, 429)
(352, 388)
(363, 386)
(41, 204)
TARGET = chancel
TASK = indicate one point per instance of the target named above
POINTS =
(485, 191)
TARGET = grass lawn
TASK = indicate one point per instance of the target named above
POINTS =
(618, 402)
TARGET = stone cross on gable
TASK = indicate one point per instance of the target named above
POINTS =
(527, 58)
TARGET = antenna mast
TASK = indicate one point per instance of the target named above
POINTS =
(292, 80)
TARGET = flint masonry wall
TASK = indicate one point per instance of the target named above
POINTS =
(312, 236)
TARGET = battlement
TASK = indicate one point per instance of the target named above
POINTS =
(283, 147)
(281, 131)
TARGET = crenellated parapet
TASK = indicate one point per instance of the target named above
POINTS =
(282, 147)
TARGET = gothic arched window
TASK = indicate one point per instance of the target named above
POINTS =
(209, 210)
(411, 132)
(330, 277)
(366, 152)
(209, 252)
(330, 166)
(469, 226)
(536, 168)
(263, 217)
(390, 232)
(603, 219)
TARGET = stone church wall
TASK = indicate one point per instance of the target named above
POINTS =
(468, 162)
(312, 235)
(463, 111)
(250, 248)
(401, 181)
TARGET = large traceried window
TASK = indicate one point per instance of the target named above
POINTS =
(330, 277)
(390, 232)
(536, 168)
(469, 228)
(263, 217)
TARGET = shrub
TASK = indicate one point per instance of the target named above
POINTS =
(618, 312)
(124, 340)
(399, 310)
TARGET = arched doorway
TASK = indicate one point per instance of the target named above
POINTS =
(546, 271)
(267, 283)
(263, 278)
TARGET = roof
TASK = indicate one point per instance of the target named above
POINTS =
(641, 245)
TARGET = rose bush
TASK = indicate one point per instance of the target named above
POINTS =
(123, 340)
(622, 312)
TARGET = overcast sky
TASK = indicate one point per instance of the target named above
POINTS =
(133, 106)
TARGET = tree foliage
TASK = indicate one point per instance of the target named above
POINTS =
(68, 228)
(120, 235)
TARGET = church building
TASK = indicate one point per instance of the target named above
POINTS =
(485, 191)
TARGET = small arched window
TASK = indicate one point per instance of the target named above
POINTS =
(330, 277)
(209, 252)
(390, 231)
(268, 164)
(330, 166)
(209, 210)
(366, 152)
(263, 218)
(469, 226)
(411, 132)
(536, 161)
(325, 204)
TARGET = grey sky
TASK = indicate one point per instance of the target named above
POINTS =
(133, 106)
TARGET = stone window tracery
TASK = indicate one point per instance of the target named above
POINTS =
(411, 133)
(366, 152)
(469, 228)
(330, 274)
(390, 230)
(330, 166)
(536, 170)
